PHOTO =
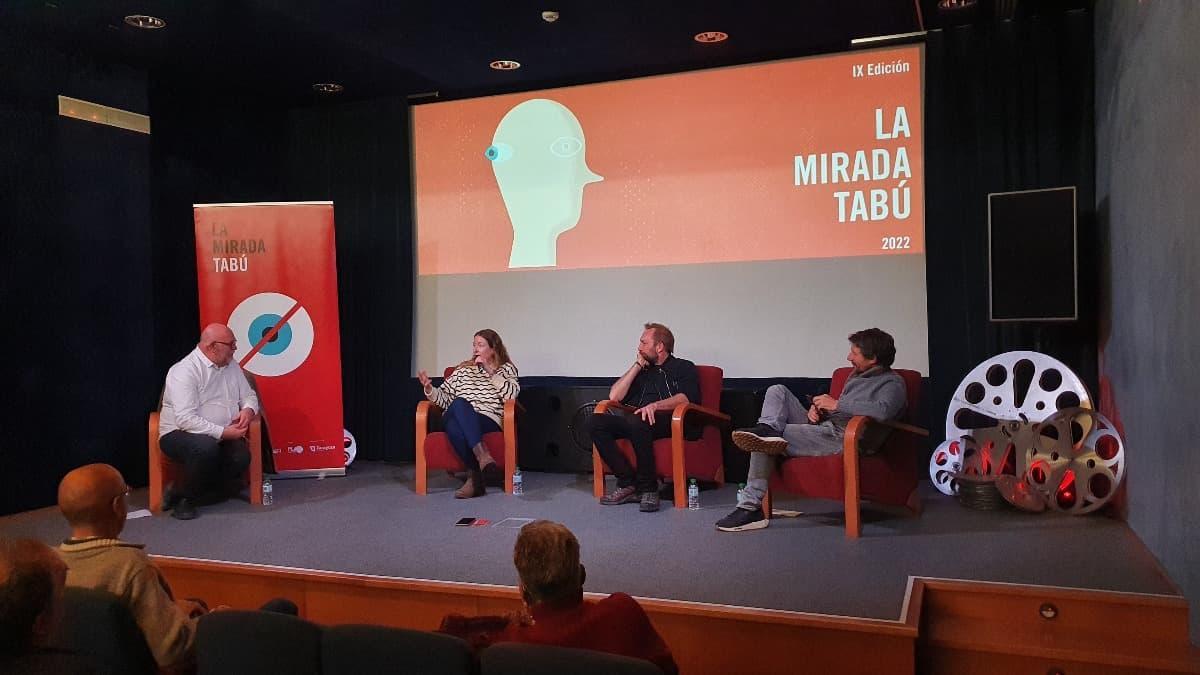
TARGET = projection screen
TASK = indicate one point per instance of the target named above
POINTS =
(762, 212)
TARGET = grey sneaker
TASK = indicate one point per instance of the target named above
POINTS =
(743, 519)
(649, 502)
(622, 495)
(760, 438)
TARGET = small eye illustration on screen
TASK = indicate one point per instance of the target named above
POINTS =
(566, 146)
(498, 152)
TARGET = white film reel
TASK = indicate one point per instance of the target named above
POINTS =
(1020, 386)
(255, 317)
(944, 464)
(350, 448)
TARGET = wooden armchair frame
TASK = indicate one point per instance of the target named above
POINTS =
(681, 412)
(158, 463)
(428, 413)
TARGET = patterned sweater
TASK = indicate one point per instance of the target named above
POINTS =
(485, 394)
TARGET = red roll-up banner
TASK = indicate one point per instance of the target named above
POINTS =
(269, 272)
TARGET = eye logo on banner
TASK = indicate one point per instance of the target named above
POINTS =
(274, 334)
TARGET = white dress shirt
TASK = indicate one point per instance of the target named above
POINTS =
(202, 397)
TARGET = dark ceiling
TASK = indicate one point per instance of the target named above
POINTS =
(277, 49)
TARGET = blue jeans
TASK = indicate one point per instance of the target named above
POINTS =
(466, 428)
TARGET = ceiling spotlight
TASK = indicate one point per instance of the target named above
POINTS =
(327, 87)
(549, 16)
(709, 37)
(144, 21)
(504, 64)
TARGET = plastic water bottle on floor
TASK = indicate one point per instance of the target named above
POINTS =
(693, 495)
(268, 493)
(518, 487)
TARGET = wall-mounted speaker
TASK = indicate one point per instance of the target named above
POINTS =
(1033, 270)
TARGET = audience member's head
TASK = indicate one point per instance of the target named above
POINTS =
(32, 577)
(92, 499)
(875, 344)
(547, 559)
(218, 344)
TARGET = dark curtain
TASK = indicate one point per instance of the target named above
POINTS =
(74, 287)
(357, 155)
(1009, 106)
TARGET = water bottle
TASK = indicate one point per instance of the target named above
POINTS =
(518, 488)
(693, 495)
(268, 496)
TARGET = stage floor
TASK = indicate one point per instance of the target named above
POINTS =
(372, 522)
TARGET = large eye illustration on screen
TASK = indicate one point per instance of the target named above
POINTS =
(255, 317)
(566, 146)
(498, 152)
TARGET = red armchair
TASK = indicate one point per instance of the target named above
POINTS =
(677, 458)
(162, 470)
(433, 449)
(888, 476)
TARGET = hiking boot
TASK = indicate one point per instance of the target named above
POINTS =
(649, 502)
(622, 495)
(760, 438)
(472, 488)
(743, 519)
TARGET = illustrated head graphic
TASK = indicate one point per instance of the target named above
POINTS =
(538, 155)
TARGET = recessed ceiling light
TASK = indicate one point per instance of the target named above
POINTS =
(327, 87)
(144, 21)
(504, 64)
(711, 36)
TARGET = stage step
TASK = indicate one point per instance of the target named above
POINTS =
(981, 627)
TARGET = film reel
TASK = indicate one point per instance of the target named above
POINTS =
(944, 465)
(992, 408)
(349, 447)
(1077, 460)
(255, 317)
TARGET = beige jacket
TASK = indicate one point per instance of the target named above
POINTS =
(124, 570)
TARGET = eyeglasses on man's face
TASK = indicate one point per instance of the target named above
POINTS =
(232, 344)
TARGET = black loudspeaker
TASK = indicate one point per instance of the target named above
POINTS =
(552, 435)
(1033, 255)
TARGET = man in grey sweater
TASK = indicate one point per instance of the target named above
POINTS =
(788, 427)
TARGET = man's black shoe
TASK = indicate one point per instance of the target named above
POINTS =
(649, 502)
(184, 510)
(760, 438)
(743, 519)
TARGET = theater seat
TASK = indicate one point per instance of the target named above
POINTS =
(100, 628)
(513, 658)
(236, 642)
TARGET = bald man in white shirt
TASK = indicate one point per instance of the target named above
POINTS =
(206, 412)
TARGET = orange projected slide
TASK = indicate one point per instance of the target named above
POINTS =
(810, 158)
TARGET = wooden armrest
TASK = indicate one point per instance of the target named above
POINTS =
(859, 423)
(512, 406)
(602, 406)
(901, 426)
(427, 412)
(707, 415)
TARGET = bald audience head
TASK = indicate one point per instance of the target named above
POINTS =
(546, 556)
(32, 577)
(92, 499)
(217, 343)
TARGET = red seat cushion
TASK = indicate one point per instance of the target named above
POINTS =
(440, 455)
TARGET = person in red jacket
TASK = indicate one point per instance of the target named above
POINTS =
(551, 583)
